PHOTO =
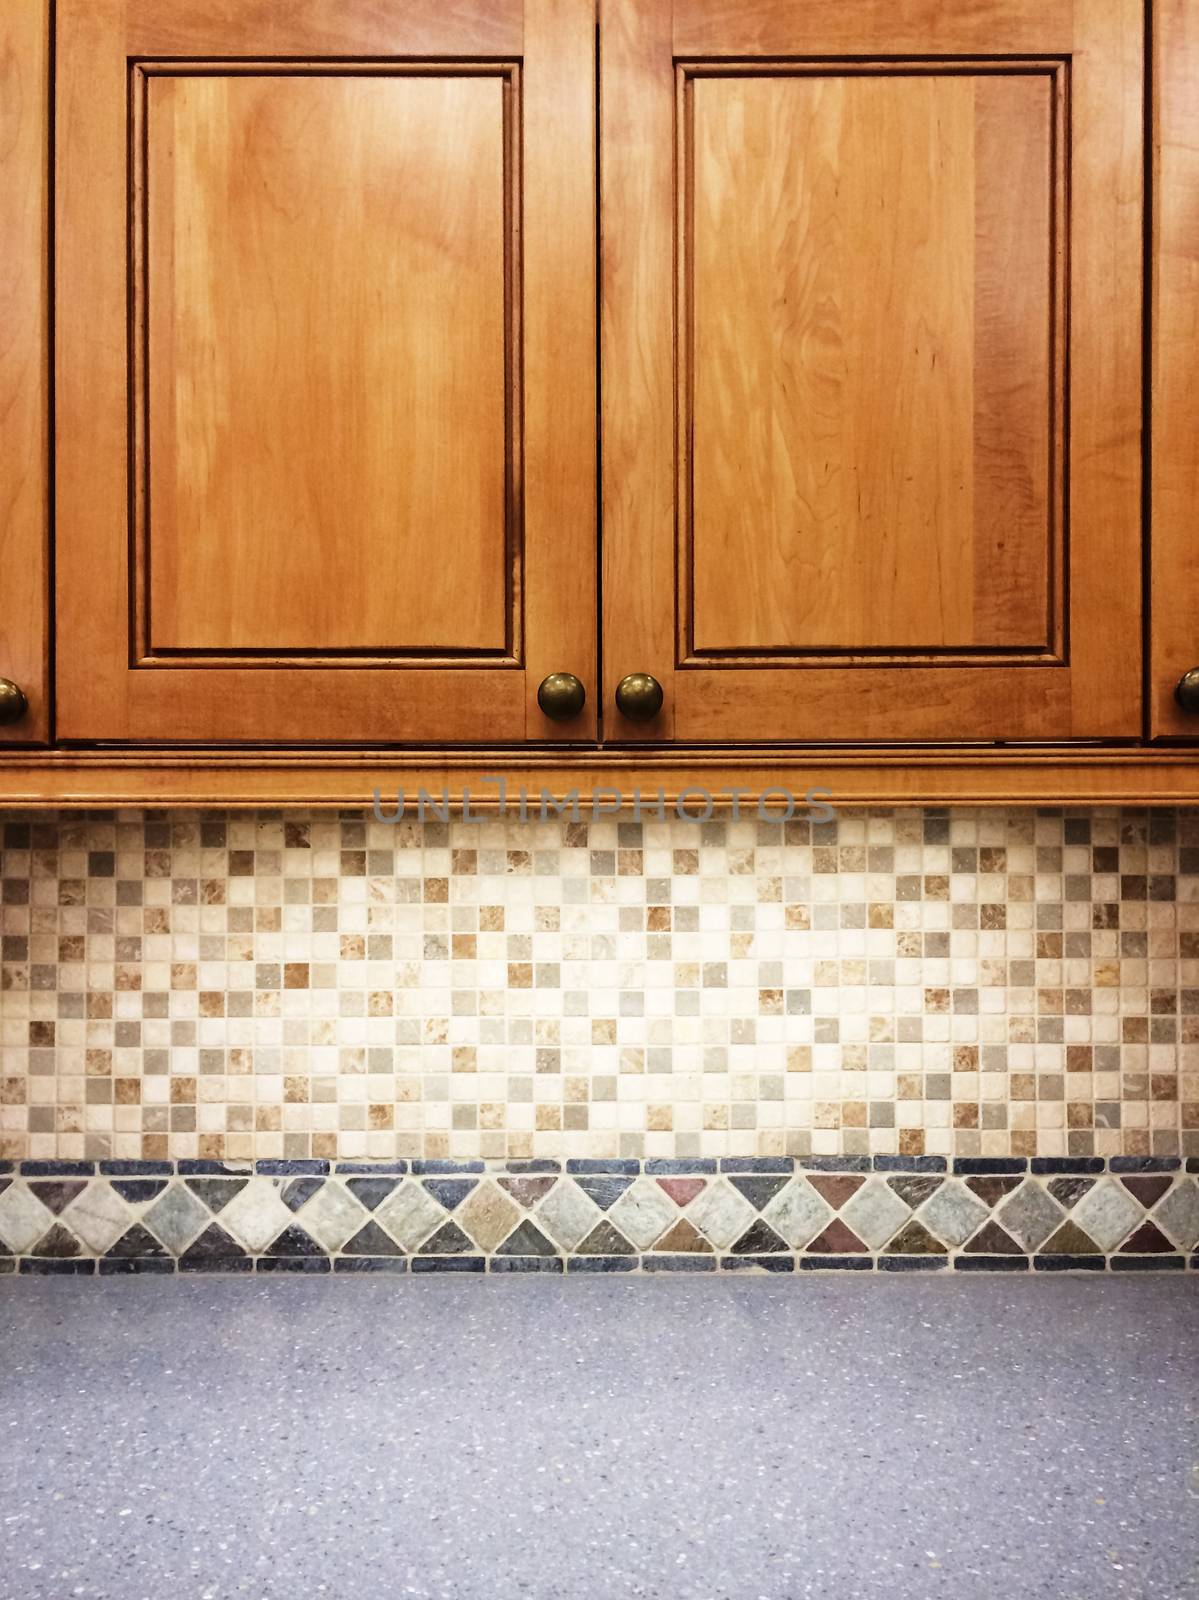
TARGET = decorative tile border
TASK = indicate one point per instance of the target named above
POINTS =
(772, 1214)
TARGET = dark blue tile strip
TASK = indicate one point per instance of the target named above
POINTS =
(503, 1264)
(910, 1164)
(43, 1267)
(291, 1169)
(213, 1169)
(833, 1163)
(991, 1264)
(980, 1166)
(1148, 1263)
(1144, 1164)
(58, 1169)
(1055, 1263)
(697, 1166)
(371, 1168)
(679, 1263)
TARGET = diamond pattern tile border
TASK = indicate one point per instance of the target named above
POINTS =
(886, 1213)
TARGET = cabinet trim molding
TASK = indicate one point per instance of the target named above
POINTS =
(1045, 776)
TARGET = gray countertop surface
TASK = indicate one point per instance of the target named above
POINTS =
(730, 1439)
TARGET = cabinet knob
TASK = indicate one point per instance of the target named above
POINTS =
(561, 696)
(639, 697)
(13, 704)
(1186, 690)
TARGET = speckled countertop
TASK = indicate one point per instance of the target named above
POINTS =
(741, 1439)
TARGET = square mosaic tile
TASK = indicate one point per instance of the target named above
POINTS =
(324, 986)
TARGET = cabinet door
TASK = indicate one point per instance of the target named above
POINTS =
(871, 312)
(325, 368)
(1175, 326)
(24, 420)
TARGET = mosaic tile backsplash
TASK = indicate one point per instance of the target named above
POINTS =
(963, 983)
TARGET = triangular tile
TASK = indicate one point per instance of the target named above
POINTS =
(56, 1194)
(603, 1240)
(450, 1192)
(299, 1191)
(914, 1191)
(835, 1187)
(370, 1240)
(758, 1240)
(684, 1239)
(605, 1191)
(1070, 1240)
(1148, 1188)
(293, 1241)
(216, 1193)
(528, 1192)
(136, 1242)
(682, 1190)
(1069, 1191)
(759, 1191)
(1148, 1240)
(992, 1240)
(991, 1189)
(57, 1242)
(449, 1240)
(4, 1183)
(838, 1239)
(371, 1192)
(914, 1239)
(137, 1190)
(214, 1244)
(527, 1240)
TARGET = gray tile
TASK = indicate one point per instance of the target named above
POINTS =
(643, 1213)
(1030, 1215)
(953, 1213)
(176, 1218)
(1178, 1213)
(1108, 1213)
(410, 1214)
(100, 1216)
(23, 1218)
(332, 1215)
(721, 1214)
(256, 1215)
(875, 1212)
(566, 1214)
(797, 1213)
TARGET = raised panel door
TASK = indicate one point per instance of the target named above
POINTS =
(311, 261)
(872, 379)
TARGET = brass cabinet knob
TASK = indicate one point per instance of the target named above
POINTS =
(561, 696)
(1186, 690)
(13, 704)
(639, 697)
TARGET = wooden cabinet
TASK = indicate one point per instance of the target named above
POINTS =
(872, 340)
(849, 314)
(325, 368)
